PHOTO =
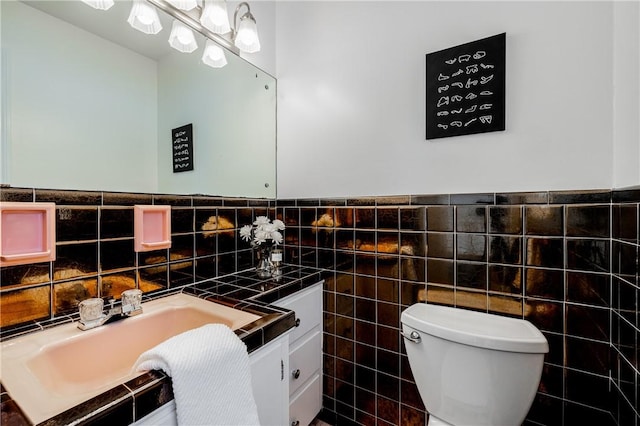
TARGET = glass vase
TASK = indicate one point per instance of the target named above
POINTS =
(264, 266)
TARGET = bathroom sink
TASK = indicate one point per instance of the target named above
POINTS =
(49, 371)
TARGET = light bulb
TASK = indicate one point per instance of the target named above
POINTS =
(247, 37)
(214, 55)
(214, 16)
(182, 38)
(143, 17)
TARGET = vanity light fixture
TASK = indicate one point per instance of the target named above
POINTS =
(99, 4)
(215, 17)
(183, 4)
(214, 55)
(245, 34)
(182, 38)
(143, 17)
(213, 23)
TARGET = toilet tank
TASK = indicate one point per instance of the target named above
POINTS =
(473, 368)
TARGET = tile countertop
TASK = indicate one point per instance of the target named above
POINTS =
(138, 397)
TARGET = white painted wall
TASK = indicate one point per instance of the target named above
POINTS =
(351, 101)
(626, 107)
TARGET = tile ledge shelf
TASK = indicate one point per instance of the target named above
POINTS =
(585, 196)
(110, 198)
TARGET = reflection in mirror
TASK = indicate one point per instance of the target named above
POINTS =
(82, 111)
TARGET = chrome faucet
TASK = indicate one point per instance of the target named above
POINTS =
(92, 313)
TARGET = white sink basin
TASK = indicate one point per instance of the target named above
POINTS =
(48, 372)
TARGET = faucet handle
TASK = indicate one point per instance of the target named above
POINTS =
(91, 309)
(131, 300)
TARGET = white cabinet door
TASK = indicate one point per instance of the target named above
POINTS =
(269, 366)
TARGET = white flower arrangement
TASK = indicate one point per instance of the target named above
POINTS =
(263, 231)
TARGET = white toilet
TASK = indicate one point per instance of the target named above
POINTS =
(473, 368)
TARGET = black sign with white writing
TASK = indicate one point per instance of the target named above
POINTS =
(466, 88)
(182, 138)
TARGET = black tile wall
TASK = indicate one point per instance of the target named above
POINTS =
(625, 298)
(567, 261)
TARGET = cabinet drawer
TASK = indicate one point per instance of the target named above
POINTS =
(304, 360)
(307, 403)
(308, 308)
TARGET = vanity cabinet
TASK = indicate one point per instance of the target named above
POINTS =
(286, 373)
(305, 355)
(269, 365)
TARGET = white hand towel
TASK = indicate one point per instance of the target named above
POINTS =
(211, 375)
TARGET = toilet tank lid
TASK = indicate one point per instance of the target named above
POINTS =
(475, 328)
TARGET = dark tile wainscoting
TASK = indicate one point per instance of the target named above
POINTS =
(566, 261)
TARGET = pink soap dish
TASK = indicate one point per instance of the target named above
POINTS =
(27, 233)
(151, 227)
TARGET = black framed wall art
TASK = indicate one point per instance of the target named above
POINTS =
(182, 147)
(465, 90)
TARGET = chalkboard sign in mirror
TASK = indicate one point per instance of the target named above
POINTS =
(466, 88)
(182, 138)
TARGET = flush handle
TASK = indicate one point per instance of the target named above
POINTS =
(414, 336)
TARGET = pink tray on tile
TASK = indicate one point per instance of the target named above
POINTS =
(151, 227)
(27, 233)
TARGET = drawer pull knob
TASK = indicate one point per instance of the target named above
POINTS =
(296, 373)
(297, 322)
(295, 423)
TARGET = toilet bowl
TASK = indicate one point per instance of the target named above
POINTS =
(473, 368)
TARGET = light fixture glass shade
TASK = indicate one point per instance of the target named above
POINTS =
(182, 38)
(184, 4)
(247, 36)
(143, 17)
(214, 16)
(99, 4)
(214, 55)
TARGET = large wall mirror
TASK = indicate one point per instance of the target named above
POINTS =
(90, 103)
